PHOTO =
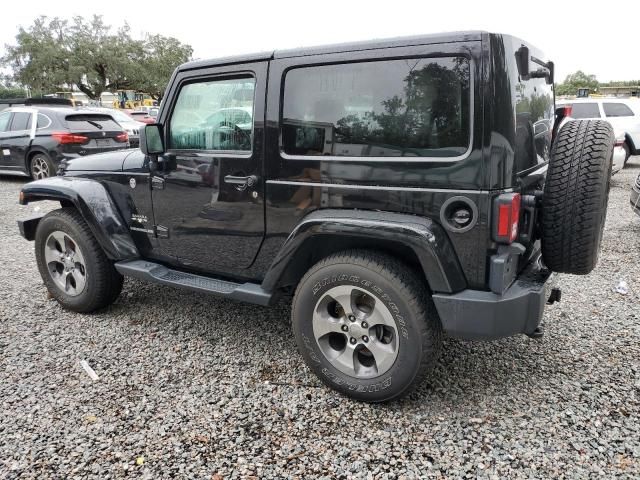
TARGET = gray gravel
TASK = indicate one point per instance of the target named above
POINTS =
(196, 387)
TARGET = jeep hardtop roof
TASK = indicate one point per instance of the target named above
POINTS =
(448, 37)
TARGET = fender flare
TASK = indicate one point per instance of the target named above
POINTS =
(425, 238)
(95, 205)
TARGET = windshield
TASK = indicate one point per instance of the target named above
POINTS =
(119, 116)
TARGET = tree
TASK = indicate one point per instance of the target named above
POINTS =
(54, 54)
(100, 61)
(575, 81)
(161, 56)
(9, 90)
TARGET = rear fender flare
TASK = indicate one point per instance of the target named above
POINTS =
(425, 238)
(95, 205)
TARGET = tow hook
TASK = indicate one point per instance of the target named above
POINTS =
(537, 334)
(555, 296)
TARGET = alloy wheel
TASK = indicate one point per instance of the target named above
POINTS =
(65, 263)
(355, 331)
(40, 168)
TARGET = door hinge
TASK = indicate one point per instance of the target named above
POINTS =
(157, 183)
(160, 231)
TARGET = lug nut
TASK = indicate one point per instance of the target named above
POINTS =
(353, 340)
(365, 339)
(352, 318)
(365, 325)
(345, 328)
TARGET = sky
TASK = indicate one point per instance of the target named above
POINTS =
(596, 37)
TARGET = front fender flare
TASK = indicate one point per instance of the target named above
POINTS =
(95, 205)
(427, 239)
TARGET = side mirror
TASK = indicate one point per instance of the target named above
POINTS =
(151, 141)
(522, 62)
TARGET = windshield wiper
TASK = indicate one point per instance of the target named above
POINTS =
(95, 124)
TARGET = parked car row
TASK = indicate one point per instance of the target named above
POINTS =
(35, 138)
(622, 114)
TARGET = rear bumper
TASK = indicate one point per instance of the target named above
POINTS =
(635, 197)
(480, 315)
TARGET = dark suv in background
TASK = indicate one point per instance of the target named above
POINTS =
(397, 189)
(35, 139)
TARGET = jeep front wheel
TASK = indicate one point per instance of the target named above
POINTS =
(72, 264)
(365, 325)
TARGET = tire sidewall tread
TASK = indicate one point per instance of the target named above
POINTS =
(103, 282)
(419, 330)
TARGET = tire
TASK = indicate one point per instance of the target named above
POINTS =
(41, 166)
(401, 317)
(627, 153)
(84, 280)
(576, 192)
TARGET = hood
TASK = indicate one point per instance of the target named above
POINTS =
(99, 162)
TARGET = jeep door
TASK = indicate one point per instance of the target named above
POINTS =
(208, 197)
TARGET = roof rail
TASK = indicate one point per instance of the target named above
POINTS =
(36, 101)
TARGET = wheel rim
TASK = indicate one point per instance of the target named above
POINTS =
(355, 331)
(65, 263)
(39, 168)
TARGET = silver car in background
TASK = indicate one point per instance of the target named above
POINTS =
(622, 114)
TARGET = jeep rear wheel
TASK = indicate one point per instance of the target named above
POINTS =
(576, 192)
(72, 264)
(366, 325)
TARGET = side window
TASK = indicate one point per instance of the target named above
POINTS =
(4, 121)
(214, 115)
(617, 110)
(585, 110)
(418, 107)
(43, 121)
(21, 121)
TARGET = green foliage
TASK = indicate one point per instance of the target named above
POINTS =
(55, 54)
(12, 92)
(575, 81)
(161, 55)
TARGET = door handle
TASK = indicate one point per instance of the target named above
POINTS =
(241, 182)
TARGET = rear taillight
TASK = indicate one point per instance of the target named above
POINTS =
(567, 110)
(619, 142)
(66, 138)
(507, 217)
(122, 137)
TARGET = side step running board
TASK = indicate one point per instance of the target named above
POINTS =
(156, 273)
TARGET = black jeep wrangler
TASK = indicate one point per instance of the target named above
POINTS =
(398, 189)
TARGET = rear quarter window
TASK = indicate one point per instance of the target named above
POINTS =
(91, 122)
(414, 107)
(617, 110)
(585, 110)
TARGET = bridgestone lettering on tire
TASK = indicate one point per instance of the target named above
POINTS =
(64, 242)
(365, 325)
(576, 192)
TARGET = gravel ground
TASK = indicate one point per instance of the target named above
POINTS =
(192, 386)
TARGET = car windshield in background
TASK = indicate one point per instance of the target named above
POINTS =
(119, 116)
(617, 110)
(585, 110)
(91, 122)
(415, 107)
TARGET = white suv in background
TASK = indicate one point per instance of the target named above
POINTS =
(622, 114)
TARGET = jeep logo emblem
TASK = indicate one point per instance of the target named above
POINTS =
(132, 182)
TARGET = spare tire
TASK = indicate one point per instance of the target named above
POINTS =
(576, 192)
